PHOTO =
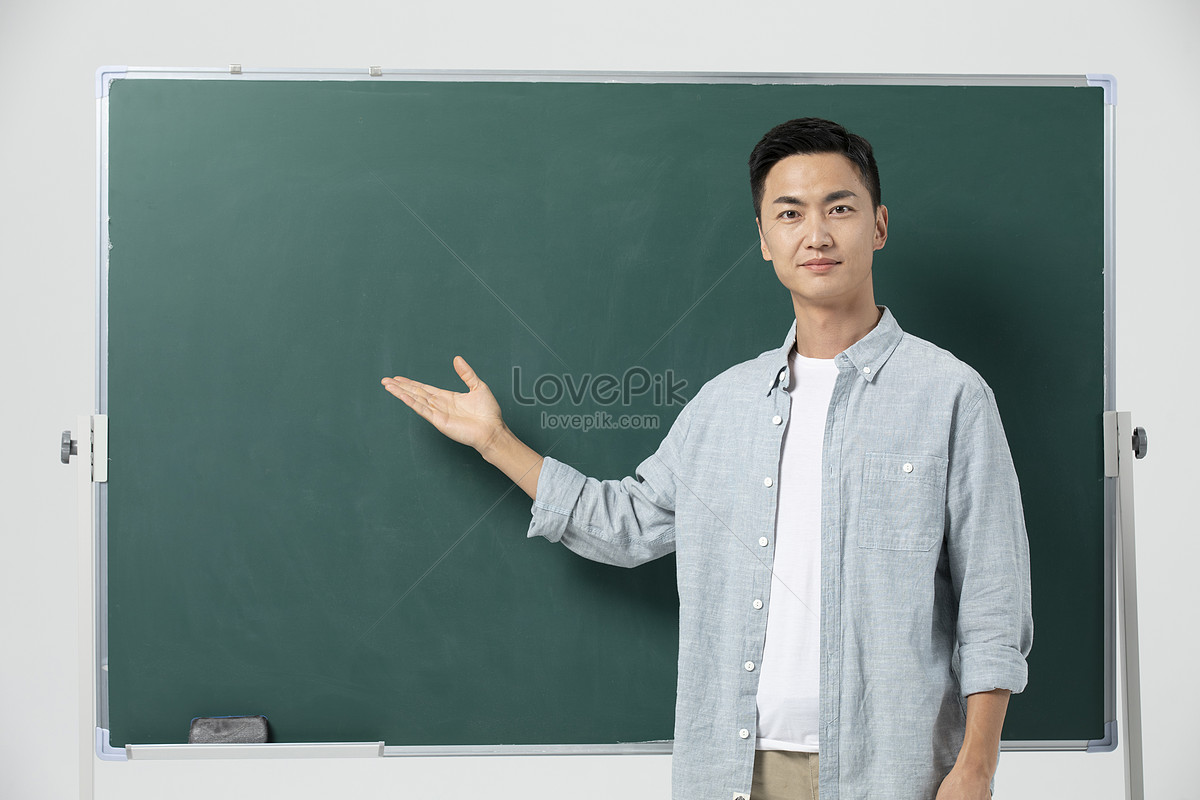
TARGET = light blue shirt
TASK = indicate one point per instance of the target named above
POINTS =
(925, 594)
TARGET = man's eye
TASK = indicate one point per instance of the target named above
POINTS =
(841, 209)
(789, 214)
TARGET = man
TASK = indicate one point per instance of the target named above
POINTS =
(852, 560)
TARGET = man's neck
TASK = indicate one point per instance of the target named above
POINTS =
(823, 333)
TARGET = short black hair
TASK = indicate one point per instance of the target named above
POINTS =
(811, 135)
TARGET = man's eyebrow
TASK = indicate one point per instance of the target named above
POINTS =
(832, 197)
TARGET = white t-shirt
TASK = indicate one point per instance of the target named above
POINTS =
(789, 683)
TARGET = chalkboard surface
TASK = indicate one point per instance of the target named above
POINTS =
(284, 538)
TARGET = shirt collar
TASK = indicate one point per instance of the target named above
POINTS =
(866, 356)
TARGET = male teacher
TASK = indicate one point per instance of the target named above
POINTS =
(852, 563)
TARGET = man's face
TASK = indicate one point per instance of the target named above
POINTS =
(817, 226)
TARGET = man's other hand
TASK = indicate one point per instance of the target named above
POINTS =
(963, 785)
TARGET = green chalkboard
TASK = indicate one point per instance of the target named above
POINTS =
(284, 538)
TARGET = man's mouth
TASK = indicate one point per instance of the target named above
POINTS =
(819, 264)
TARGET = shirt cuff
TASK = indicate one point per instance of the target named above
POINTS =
(558, 488)
(984, 667)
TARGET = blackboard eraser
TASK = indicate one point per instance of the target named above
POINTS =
(228, 730)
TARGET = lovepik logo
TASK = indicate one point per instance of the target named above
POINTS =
(604, 389)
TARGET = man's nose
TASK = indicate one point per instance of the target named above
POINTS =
(817, 233)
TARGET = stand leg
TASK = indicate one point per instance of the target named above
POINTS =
(1119, 432)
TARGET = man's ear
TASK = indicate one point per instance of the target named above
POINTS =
(762, 240)
(881, 223)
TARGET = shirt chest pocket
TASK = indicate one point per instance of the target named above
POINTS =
(903, 502)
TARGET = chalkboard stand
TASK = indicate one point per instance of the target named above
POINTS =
(1121, 448)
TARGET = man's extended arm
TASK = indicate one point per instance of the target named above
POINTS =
(514, 458)
(972, 775)
(624, 522)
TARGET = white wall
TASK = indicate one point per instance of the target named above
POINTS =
(49, 52)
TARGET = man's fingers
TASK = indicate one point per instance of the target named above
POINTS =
(395, 390)
(420, 403)
(410, 399)
(413, 388)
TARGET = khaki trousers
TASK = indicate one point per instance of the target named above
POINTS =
(784, 775)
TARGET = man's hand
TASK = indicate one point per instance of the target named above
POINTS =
(972, 774)
(961, 784)
(471, 418)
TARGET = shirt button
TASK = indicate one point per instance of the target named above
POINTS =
(767, 482)
(757, 604)
(866, 370)
(777, 420)
(749, 666)
(907, 467)
(745, 734)
(762, 541)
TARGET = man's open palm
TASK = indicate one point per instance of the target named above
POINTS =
(470, 417)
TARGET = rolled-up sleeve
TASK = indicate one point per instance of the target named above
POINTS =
(622, 522)
(989, 553)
